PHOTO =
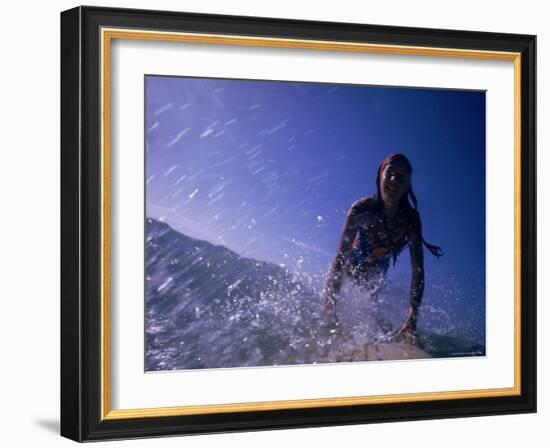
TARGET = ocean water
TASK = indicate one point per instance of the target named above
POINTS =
(208, 307)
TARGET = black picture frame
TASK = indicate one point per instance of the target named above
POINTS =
(81, 224)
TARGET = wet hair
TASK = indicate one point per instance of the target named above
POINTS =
(404, 202)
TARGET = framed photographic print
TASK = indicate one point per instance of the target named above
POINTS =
(275, 223)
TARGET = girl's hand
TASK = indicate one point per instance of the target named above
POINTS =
(331, 290)
(329, 305)
(331, 322)
(407, 334)
(329, 311)
(330, 300)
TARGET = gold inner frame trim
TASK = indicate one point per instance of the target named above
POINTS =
(107, 34)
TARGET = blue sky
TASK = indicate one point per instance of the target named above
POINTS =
(269, 169)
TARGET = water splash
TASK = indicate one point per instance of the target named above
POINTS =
(209, 307)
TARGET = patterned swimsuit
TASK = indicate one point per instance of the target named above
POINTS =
(375, 244)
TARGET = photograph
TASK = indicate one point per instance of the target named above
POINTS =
(291, 223)
(273, 223)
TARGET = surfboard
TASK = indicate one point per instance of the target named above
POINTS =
(384, 351)
(343, 348)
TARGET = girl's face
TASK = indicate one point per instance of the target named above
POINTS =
(395, 180)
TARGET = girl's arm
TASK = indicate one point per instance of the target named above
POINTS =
(334, 276)
(408, 329)
(417, 280)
